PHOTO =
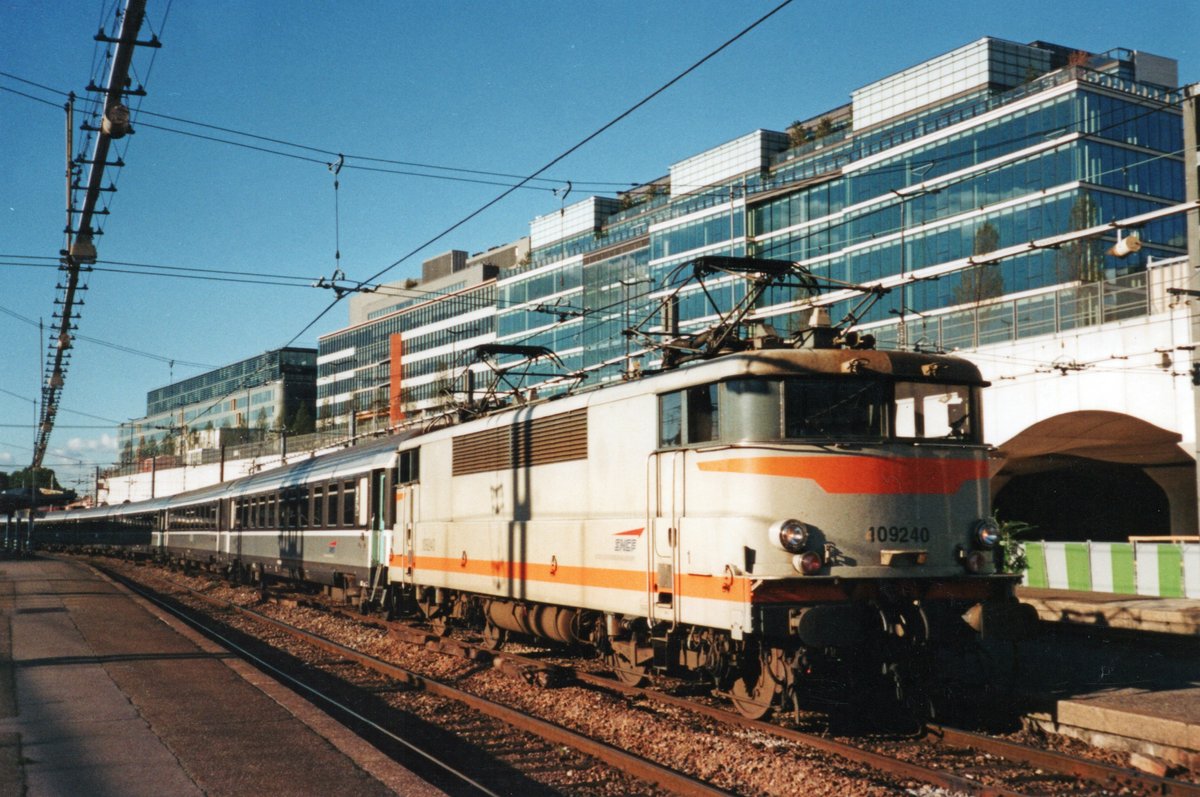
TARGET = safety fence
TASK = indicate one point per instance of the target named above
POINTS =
(1165, 570)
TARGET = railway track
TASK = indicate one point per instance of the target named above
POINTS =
(953, 741)
(554, 736)
(984, 765)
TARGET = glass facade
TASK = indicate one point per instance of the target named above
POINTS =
(259, 370)
(354, 369)
(992, 145)
(259, 393)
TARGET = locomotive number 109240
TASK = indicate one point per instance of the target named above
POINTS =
(898, 534)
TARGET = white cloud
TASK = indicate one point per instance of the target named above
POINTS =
(6, 458)
(105, 443)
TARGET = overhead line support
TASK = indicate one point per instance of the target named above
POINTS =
(80, 249)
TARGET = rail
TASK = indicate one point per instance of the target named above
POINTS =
(670, 780)
(942, 773)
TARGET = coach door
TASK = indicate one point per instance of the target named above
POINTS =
(666, 499)
(407, 477)
(380, 515)
(401, 555)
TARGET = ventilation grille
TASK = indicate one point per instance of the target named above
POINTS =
(558, 438)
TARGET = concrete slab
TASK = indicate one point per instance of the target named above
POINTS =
(1159, 615)
(1165, 725)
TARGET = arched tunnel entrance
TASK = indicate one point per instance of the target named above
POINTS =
(1096, 475)
(1082, 499)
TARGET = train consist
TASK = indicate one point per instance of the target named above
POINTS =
(777, 520)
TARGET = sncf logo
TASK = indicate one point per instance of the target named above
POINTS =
(626, 541)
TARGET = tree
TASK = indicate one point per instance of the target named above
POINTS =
(798, 134)
(42, 477)
(824, 127)
(1083, 259)
(986, 281)
(302, 421)
(260, 420)
(127, 452)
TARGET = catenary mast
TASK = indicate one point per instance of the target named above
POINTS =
(80, 252)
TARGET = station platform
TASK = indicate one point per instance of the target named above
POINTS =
(1111, 610)
(1140, 698)
(100, 695)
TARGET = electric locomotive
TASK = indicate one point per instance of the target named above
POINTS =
(773, 519)
(784, 521)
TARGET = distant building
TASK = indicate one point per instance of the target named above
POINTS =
(229, 404)
(994, 144)
(407, 342)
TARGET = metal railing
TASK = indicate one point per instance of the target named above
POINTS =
(276, 446)
(1053, 311)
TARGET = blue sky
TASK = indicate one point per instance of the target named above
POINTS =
(493, 87)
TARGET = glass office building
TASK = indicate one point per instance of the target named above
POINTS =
(259, 393)
(991, 145)
(406, 362)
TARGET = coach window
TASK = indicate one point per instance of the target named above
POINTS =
(272, 515)
(670, 420)
(318, 516)
(334, 516)
(302, 507)
(348, 496)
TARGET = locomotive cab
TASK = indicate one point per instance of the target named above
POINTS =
(842, 496)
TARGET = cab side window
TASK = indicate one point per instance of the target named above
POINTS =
(688, 417)
(410, 466)
(670, 420)
(702, 416)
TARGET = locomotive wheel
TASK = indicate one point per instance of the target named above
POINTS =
(432, 612)
(755, 690)
(493, 636)
(624, 664)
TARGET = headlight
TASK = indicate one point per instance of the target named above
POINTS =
(808, 563)
(973, 561)
(790, 535)
(987, 533)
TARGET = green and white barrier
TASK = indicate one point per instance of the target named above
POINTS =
(1164, 570)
